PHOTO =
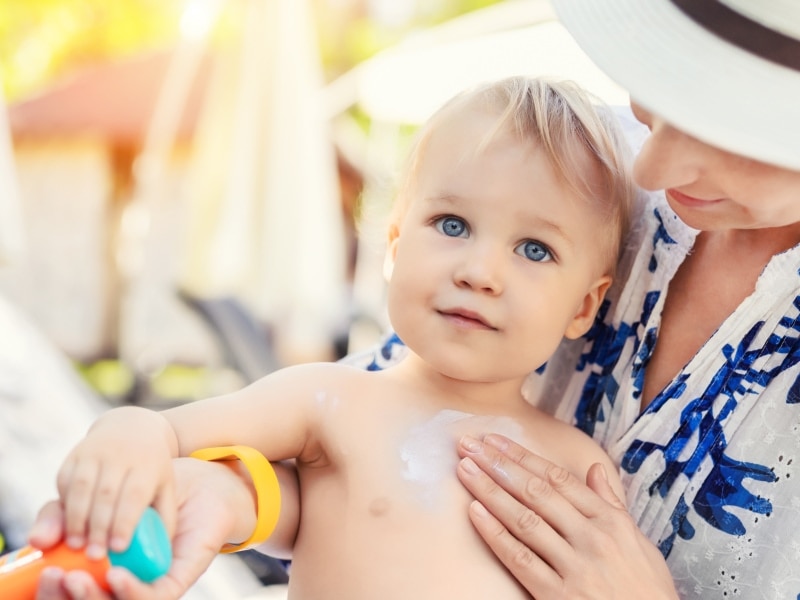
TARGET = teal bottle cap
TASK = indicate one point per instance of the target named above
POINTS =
(150, 554)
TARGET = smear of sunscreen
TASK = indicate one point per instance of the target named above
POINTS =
(326, 400)
(429, 452)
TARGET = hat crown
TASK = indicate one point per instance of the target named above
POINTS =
(779, 15)
(744, 24)
(726, 72)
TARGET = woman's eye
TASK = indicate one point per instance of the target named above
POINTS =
(535, 251)
(451, 226)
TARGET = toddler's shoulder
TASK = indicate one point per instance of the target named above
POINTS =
(308, 378)
(563, 443)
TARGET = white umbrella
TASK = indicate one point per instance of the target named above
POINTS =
(407, 82)
(267, 224)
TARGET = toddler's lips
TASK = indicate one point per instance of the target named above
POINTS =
(467, 318)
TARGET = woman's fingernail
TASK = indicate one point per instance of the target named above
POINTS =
(479, 510)
(470, 444)
(75, 542)
(52, 573)
(469, 466)
(498, 442)
(116, 579)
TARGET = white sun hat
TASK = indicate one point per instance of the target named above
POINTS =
(726, 72)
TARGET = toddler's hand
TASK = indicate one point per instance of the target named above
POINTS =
(123, 465)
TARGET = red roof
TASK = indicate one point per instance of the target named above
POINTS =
(113, 100)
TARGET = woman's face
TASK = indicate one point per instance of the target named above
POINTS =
(711, 189)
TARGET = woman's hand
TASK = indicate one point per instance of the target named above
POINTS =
(211, 499)
(559, 537)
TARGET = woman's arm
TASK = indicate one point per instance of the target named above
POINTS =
(559, 537)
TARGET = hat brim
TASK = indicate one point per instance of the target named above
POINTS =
(696, 81)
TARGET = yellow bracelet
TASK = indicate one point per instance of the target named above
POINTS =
(265, 482)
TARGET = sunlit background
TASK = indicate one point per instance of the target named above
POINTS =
(190, 177)
(177, 167)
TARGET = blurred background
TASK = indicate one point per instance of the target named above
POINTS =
(191, 192)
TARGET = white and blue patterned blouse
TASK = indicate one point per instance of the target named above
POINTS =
(712, 467)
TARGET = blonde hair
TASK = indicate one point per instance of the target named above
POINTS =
(569, 125)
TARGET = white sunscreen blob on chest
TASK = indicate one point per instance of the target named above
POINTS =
(429, 451)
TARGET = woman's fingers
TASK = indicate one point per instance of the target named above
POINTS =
(531, 567)
(553, 477)
(565, 502)
(516, 556)
(516, 531)
(166, 505)
(50, 585)
(54, 584)
(536, 485)
(560, 538)
(597, 480)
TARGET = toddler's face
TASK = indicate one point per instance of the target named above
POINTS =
(496, 259)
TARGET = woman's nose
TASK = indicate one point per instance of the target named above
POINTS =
(668, 158)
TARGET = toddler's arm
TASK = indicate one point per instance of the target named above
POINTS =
(124, 462)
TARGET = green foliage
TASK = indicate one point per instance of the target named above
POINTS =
(42, 39)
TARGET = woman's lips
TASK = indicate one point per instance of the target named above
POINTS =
(690, 201)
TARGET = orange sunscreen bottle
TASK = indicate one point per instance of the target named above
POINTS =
(148, 557)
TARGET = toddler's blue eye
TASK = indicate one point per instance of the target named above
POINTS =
(451, 226)
(534, 251)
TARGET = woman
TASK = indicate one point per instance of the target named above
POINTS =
(691, 379)
(693, 392)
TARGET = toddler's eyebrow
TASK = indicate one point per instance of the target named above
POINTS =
(445, 198)
(552, 227)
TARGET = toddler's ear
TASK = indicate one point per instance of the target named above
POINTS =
(391, 251)
(584, 317)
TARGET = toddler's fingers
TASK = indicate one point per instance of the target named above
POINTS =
(103, 513)
(77, 486)
(136, 492)
(48, 529)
